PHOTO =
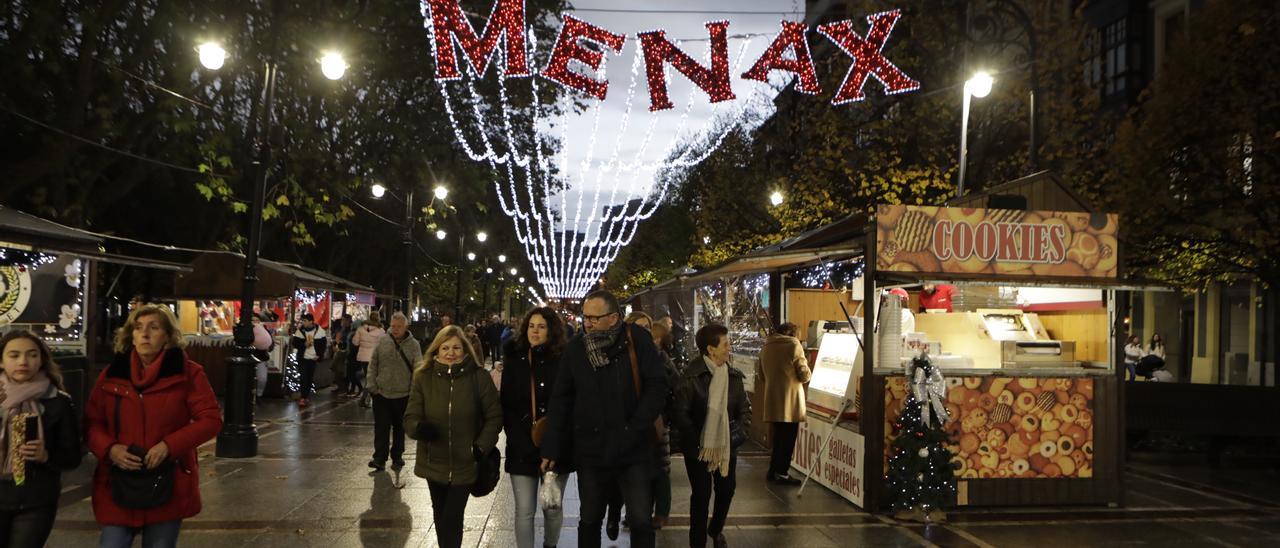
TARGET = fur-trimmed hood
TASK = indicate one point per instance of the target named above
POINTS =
(175, 363)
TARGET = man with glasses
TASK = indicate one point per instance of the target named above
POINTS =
(603, 423)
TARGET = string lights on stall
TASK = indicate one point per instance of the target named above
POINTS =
(24, 260)
(830, 274)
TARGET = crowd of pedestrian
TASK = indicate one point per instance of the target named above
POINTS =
(609, 401)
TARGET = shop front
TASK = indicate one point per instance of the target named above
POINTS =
(1017, 308)
(209, 307)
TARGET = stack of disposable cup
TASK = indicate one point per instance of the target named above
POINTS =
(890, 343)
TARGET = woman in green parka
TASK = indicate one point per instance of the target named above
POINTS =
(455, 415)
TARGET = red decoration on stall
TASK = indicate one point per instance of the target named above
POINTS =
(658, 51)
(449, 24)
(568, 48)
(791, 37)
(867, 58)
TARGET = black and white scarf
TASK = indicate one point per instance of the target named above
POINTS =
(598, 345)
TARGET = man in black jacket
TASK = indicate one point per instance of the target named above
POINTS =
(600, 416)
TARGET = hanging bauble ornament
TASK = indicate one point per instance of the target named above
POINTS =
(924, 452)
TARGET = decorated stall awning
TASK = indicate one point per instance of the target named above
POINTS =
(23, 231)
(769, 261)
(217, 275)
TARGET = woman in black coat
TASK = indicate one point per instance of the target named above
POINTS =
(40, 439)
(712, 416)
(529, 366)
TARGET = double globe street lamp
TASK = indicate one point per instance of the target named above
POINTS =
(239, 436)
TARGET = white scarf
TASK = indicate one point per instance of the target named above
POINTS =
(715, 428)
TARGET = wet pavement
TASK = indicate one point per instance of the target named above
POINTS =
(310, 486)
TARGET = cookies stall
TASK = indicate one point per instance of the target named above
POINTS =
(1018, 308)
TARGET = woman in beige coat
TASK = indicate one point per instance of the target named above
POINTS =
(783, 372)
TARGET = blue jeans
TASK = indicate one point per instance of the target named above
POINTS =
(527, 502)
(635, 482)
(154, 535)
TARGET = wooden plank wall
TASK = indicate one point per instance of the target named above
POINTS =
(804, 305)
(1088, 328)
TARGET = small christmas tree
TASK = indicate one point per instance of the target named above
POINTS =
(920, 480)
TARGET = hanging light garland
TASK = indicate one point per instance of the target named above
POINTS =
(570, 251)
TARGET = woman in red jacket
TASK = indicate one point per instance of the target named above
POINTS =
(150, 407)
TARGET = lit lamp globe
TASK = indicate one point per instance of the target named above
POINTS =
(979, 85)
(332, 65)
(481, 236)
(212, 56)
(378, 190)
(441, 192)
(440, 234)
(775, 198)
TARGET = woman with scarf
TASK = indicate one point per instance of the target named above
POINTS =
(147, 413)
(531, 362)
(712, 415)
(455, 415)
(39, 437)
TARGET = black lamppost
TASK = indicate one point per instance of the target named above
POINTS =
(990, 28)
(239, 436)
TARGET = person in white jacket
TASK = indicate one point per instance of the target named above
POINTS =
(365, 340)
(1132, 353)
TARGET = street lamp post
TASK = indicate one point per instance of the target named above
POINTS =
(408, 250)
(239, 436)
(977, 86)
(988, 26)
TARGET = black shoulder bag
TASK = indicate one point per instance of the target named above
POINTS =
(144, 488)
(488, 465)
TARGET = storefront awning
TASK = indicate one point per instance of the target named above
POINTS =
(771, 261)
(217, 275)
(24, 231)
(338, 283)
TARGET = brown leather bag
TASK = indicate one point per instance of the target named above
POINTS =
(658, 425)
(539, 424)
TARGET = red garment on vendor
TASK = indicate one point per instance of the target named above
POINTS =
(938, 298)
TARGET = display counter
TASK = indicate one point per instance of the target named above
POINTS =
(1024, 437)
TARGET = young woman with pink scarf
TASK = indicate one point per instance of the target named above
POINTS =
(39, 439)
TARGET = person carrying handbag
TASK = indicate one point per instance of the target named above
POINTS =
(531, 362)
(147, 413)
(389, 380)
(610, 390)
(455, 415)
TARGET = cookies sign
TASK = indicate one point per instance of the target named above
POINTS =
(1005, 427)
(971, 241)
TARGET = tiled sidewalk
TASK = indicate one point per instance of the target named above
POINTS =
(309, 486)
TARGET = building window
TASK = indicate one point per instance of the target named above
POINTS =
(1108, 66)
(1170, 18)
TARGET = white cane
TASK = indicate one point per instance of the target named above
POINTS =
(809, 473)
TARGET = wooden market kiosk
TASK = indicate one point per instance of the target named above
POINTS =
(1034, 393)
(1029, 337)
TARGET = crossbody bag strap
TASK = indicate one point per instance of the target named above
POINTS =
(635, 362)
(402, 356)
(533, 394)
